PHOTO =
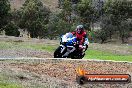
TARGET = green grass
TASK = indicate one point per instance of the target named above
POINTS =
(8, 85)
(13, 45)
(130, 46)
(43, 47)
(5, 82)
(4, 45)
(96, 54)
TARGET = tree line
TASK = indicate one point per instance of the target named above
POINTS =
(113, 17)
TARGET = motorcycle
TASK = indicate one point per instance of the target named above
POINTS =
(69, 48)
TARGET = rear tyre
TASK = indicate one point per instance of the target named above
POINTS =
(76, 55)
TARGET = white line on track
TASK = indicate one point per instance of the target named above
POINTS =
(26, 58)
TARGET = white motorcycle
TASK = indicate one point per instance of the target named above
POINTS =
(69, 47)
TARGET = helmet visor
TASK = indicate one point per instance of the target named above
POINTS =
(79, 30)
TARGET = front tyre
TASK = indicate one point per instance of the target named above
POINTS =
(57, 53)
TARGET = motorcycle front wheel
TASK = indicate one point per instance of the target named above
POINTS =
(57, 53)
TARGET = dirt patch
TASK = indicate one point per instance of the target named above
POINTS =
(63, 74)
(52, 4)
(16, 51)
(13, 53)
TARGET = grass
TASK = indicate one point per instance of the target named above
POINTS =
(96, 54)
(13, 45)
(4, 45)
(7, 85)
(43, 47)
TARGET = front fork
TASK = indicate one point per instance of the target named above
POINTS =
(63, 48)
(67, 51)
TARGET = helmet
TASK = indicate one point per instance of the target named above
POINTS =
(79, 28)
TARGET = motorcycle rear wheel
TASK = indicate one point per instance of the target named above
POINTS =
(76, 55)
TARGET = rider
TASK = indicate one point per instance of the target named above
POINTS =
(81, 36)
